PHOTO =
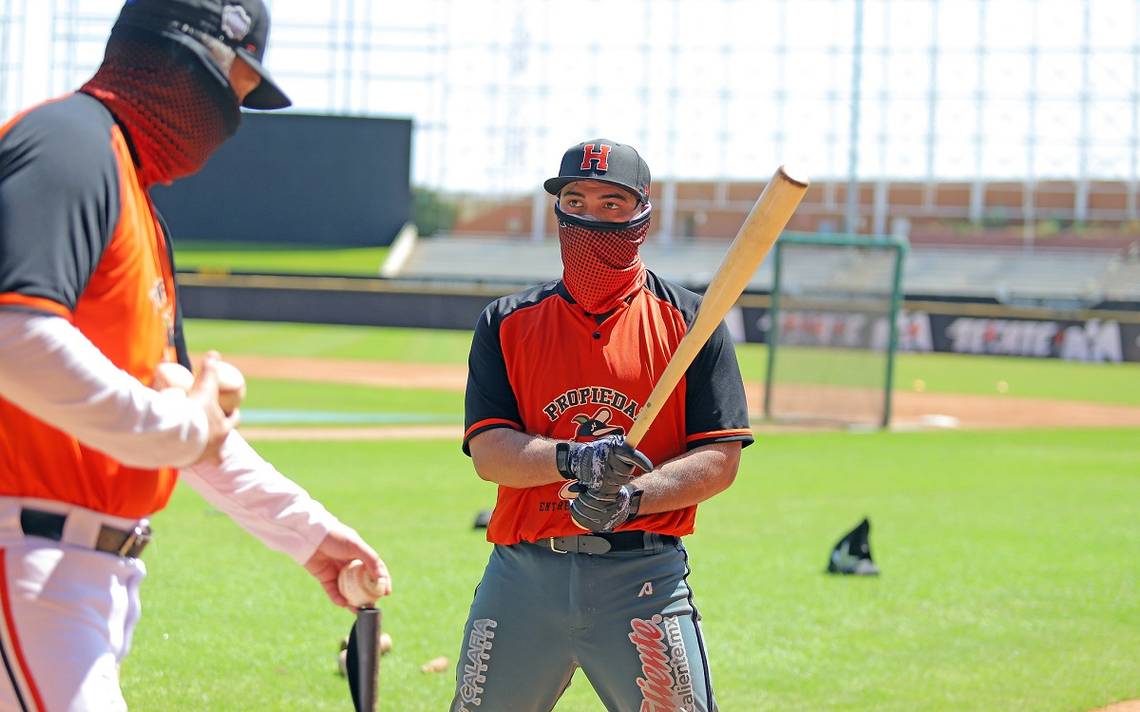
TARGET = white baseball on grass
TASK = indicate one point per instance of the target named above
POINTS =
(357, 585)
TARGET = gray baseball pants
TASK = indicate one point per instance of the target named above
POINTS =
(625, 617)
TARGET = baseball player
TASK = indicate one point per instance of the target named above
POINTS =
(88, 309)
(588, 569)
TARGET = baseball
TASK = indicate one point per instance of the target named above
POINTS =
(169, 374)
(357, 586)
(231, 386)
(385, 643)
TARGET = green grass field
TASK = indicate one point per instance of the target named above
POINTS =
(309, 403)
(1009, 578)
(327, 341)
(258, 257)
(1009, 559)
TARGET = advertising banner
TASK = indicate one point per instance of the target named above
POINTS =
(1092, 339)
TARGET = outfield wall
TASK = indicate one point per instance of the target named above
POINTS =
(301, 179)
(950, 326)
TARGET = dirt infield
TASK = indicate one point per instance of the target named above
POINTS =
(911, 410)
(387, 374)
(1129, 706)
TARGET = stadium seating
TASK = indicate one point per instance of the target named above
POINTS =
(1007, 274)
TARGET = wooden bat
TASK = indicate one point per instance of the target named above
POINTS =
(751, 245)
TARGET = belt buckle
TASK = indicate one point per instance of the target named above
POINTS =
(555, 549)
(136, 540)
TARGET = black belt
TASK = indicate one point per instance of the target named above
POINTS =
(602, 543)
(49, 525)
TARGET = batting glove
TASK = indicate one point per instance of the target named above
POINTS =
(603, 465)
(597, 513)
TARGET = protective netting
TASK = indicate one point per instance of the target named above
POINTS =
(832, 337)
(601, 267)
(175, 112)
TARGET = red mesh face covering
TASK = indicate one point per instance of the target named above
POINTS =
(600, 264)
(175, 113)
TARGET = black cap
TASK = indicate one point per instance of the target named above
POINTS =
(242, 25)
(604, 160)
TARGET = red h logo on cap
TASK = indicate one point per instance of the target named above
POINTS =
(601, 155)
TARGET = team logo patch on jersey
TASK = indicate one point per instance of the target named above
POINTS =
(157, 294)
(666, 682)
(596, 426)
(591, 395)
(568, 492)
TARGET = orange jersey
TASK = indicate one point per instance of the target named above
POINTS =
(540, 364)
(79, 238)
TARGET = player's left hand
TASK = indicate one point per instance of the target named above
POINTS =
(597, 512)
(340, 546)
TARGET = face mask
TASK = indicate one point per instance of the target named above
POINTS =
(601, 266)
(175, 113)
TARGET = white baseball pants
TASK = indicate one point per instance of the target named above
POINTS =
(68, 615)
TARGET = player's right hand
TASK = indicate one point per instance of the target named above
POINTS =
(604, 465)
(205, 393)
(595, 512)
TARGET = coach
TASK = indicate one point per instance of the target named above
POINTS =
(88, 309)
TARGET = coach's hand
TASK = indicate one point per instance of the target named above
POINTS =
(340, 546)
(603, 465)
(204, 391)
(596, 512)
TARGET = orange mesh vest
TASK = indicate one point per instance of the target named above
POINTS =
(80, 239)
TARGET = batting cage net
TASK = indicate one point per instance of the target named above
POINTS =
(832, 329)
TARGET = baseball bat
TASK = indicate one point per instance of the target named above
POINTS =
(772, 211)
(363, 660)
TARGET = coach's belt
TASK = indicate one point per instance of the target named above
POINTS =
(602, 543)
(49, 525)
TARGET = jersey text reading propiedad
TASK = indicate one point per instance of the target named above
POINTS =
(591, 394)
(478, 652)
(666, 684)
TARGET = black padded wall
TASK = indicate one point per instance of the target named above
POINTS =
(296, 178)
